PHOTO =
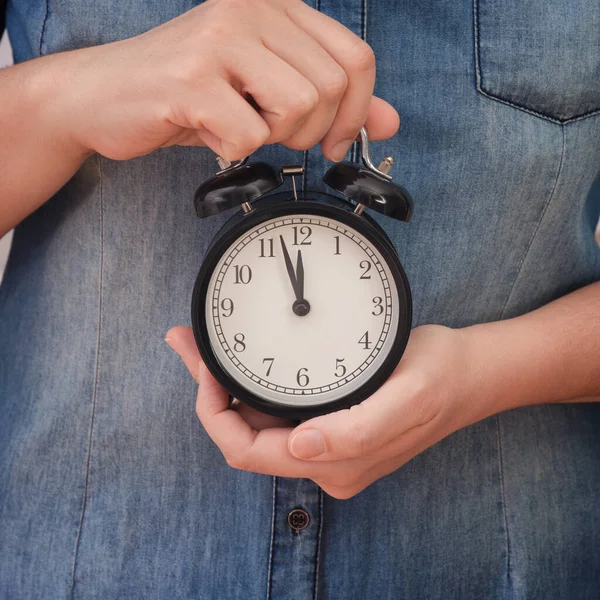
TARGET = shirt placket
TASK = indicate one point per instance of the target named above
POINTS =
(298, 503)
(297, 523)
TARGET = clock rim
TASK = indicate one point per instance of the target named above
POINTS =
(343, 212)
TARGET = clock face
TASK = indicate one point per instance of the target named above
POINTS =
(302, 310)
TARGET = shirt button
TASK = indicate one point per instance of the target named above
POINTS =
(298, 519)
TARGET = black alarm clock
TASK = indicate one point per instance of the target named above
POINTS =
(301, 306)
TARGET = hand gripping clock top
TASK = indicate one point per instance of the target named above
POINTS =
(255, 328)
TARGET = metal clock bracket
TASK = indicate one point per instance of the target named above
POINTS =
(370, 186)
(239, 183)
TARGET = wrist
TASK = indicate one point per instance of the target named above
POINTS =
(506, 367)
(53, 103)
(488, 388)
(549, 355)
(446, 375)
(475, 380)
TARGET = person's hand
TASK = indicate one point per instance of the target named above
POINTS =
(432, 393)
(229, 74)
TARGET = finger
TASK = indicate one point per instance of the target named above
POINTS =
(181, 340)
(244, 448)
(286, 98)
(361, 430)
(259, 420)
(311, 60)
(346, 478)
(358, 61)
(383, 120)
(379, 469)
(223, 119)
(364, 474)
(356, 474)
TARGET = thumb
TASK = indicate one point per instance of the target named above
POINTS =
(336, 436)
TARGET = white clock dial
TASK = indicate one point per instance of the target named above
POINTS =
(318, 357)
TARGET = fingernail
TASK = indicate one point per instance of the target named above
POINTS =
(340, 150)
(307, 443)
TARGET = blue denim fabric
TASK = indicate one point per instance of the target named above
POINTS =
(109, 486)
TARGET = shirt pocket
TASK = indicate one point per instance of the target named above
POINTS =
(541, 56)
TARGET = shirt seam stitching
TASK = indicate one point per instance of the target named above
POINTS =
(95, 385)
(503, 497)
(537, 227)
(305, 168)
(272, 547)
(318, 549)
(540, 115)
(44, 27)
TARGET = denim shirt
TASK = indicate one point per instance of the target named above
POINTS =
(110, 488)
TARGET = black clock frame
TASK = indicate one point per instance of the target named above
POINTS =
(277, 206)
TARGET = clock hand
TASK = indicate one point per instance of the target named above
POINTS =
(301, 307)
(300, 278)
(290, 268)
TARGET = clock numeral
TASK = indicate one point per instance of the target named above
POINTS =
(340, 369)
(271, 360)
(337, 245)
(378, 302)
(365, 340)
(366, 265)
(243, 274)
(240, 342)
(269, 247)
(306, 231)
(227, 306)
(302, 378)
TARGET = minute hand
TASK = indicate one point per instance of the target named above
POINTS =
(300, 278)
(290, 270)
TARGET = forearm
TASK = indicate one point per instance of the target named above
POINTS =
(178, 84)
(37, 153)
(551, 354)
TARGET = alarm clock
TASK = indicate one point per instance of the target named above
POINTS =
(301, 306)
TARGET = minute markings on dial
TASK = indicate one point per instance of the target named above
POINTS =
(243, 241)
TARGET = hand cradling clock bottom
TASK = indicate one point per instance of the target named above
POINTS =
(301, 307)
